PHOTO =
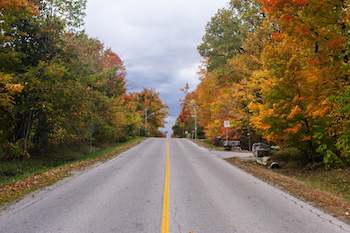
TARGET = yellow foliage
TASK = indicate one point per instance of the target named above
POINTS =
(8, 89)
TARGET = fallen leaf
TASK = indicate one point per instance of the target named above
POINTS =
(58, 197)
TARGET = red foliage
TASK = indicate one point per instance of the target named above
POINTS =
(129, 97)
(288, 16)
(337, 42)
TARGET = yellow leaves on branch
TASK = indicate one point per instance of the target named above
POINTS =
(294, 112)
(8, 89)
(293, 130)
(317, 111)
(17, 5)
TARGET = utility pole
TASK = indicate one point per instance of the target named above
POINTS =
(195, 120)
(146, 121)
(248, 126)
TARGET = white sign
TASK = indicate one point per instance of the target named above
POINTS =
(227, 123)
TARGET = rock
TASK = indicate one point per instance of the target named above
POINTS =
(263, 161)
(261, 149)
(236, 148)
(228, 145)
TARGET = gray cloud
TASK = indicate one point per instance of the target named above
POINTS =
(157, 40)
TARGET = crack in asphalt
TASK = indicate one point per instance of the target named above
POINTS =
(175, 218)
(320, 214)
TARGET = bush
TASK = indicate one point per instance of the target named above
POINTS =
(9, 150)
(314, 166)
(287, 154)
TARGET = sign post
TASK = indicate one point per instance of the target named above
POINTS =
(139, 130)
(227, 125)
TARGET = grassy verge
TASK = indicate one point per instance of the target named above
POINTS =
(206, 144)
(327, 190)
(21, 177)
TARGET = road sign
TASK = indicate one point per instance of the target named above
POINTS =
(193, 131)
(139, 127)
(227, 124)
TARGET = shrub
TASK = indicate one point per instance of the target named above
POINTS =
(288, 153)
(9, 150)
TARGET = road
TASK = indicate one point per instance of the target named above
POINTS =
(127, 194)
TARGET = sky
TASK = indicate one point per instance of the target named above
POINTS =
(157, 40)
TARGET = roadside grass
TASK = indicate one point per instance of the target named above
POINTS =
(325, 189)
(21, 177)
(207, 144)
(336, 181)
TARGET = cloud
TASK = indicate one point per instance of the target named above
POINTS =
(156, 39)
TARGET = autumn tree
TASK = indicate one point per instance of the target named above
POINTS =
(153, 110)
(56, 81)
(225, 35)
(302, 66)
(226, 87)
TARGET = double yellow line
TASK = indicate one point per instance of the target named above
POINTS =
(165, 225)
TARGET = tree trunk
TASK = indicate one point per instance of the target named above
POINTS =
(310, 144)
(27, 133)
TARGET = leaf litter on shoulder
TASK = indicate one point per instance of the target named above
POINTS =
(301, 187)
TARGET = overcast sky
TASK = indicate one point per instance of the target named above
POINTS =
(157, 40)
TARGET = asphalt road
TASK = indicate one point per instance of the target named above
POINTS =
(126, 194)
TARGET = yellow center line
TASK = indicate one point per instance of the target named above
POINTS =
(165, 226)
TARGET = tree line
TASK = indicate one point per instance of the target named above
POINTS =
(279, 71)
(56, 82)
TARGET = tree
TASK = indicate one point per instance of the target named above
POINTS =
(59, 80)
(302, 69)
(148, 101)
(225, 35)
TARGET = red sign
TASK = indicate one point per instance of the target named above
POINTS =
(139, 127)
(193, 131)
